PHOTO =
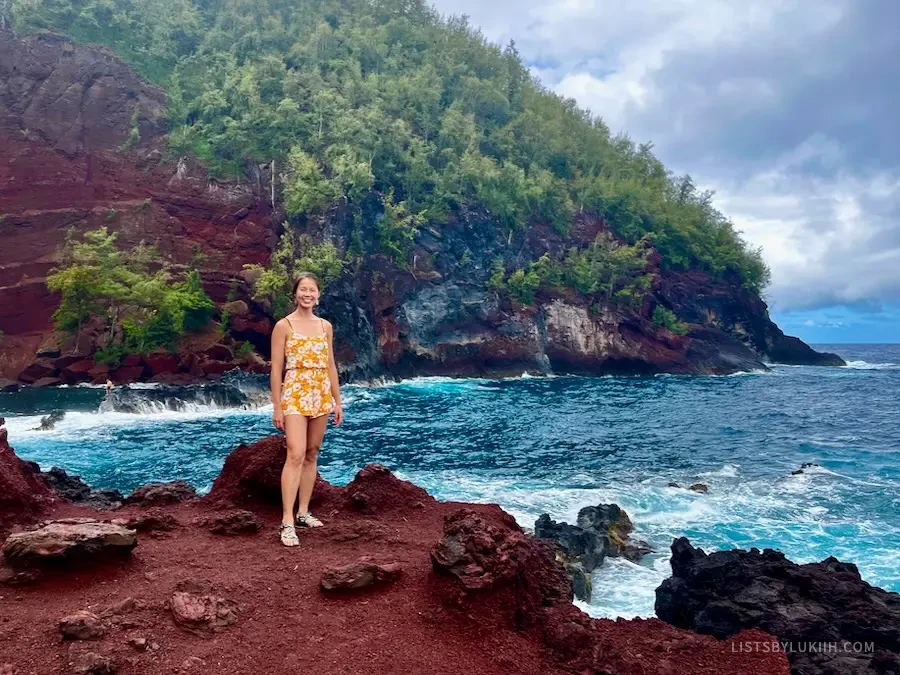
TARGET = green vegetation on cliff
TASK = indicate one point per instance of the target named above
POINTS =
(140, 307)
(346, 98)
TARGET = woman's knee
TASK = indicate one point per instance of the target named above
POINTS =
(296, 454)
(312, 454)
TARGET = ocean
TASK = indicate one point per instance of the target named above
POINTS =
(555, 444)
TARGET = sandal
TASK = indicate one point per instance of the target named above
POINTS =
(308, 520)
(288, 535)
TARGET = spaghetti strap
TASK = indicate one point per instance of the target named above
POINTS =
(288, 319)
(322, 323)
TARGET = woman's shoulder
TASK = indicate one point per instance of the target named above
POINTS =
(325, 322)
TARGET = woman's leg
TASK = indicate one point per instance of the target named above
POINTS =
(315, 432)
(291, 474)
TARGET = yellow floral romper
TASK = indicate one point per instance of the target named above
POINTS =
(307, 386)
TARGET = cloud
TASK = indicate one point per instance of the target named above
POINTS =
(787, 108)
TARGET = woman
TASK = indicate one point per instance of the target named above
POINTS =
(302, 349)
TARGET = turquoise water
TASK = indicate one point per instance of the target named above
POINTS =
(556, 444)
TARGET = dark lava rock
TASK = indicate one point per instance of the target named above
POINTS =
(834, 621)
(699, 487)
(73, 489)
(602, 530)
(590, 548)
(159, 494)
(803, 467)
(49, 421)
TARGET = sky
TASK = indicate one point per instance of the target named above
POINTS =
(788, 109)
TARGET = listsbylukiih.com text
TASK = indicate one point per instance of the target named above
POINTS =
(775, 646)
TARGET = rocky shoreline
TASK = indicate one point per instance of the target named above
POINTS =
(166, 581)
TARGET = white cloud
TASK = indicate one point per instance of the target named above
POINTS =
(784, 107)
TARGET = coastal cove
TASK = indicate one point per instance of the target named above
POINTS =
(536, 445)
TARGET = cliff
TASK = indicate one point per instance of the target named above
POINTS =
(84, 142)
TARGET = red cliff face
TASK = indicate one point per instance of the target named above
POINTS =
(66, 115)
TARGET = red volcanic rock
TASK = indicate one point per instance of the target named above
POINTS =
(36, 371)
(360, 574)
(196, 612)
(81, 625)
(252, 474)
(232, 523)
(376, 489)
(497, 556)
(153, 520)
(219, 352)
(126, 374)
(244, 324)
(451, 629)
(79, 371)
(161, 363)
(158, 494)
(23, 490)
(92, 663)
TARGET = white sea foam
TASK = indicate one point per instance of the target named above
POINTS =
(76, 423)
(865, 365)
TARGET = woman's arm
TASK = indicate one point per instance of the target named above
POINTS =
(333, 376)
(277, 372)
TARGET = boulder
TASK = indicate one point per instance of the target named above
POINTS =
(375, 489)
(803, 468)
(495, 557)
(36, 371)
(357, 575)
(92, 663)
(78, 371)
(161, 363)
(159, 494)
(824, 604)
(81, 625)
(81, 540)
(233, 523)
(153, 520)
(50, 421)
(252, 474)
(602, 530)
(124, 374)
(202, 613)
(699, 487)
(590, 548)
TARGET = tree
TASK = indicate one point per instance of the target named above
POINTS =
(132, 293)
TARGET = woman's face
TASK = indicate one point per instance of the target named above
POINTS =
(307, 294)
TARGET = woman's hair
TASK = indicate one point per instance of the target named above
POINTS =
(305, 275)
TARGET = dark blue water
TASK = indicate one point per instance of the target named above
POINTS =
(554, 445)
